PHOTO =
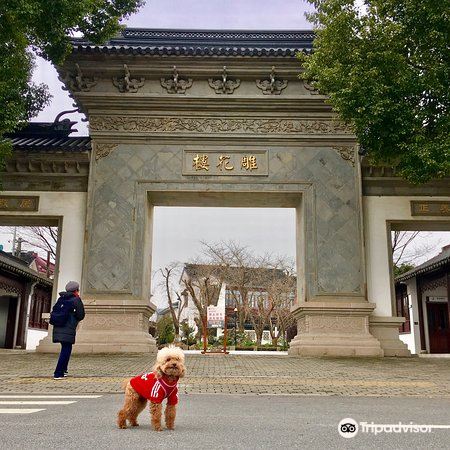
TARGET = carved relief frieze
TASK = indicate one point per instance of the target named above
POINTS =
(216, 125)
(77, 82)
(127, 84)
(224, 85)
(339, 324)
(347, 153)
(103, 149)
(176, 84)
(272, 85)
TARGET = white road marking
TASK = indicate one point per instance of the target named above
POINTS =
(11, 396)
(36, 402)
(19, 411)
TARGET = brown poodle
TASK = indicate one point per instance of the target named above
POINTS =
(154, 386)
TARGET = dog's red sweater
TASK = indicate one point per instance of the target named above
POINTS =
(154, 389)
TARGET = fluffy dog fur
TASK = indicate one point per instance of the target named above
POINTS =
(169, 362)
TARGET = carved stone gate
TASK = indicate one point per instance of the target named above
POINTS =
(217, 119)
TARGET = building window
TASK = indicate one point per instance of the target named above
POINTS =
(402, 301)
(40, 304)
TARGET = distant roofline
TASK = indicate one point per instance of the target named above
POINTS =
(203, 42)
(432, 264)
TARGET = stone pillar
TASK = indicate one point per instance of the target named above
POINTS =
(116, 266)
(115, 329)
(334, 328)
(333, 311)
(385, 329)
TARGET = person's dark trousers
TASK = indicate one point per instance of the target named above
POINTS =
(63, 360)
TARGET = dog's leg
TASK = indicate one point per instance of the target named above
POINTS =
(170, 414)
(139, 407)
(130, 407)
(155, 411)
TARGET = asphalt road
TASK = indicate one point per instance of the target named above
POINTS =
(223, 422)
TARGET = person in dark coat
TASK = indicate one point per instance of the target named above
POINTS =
(65, 335)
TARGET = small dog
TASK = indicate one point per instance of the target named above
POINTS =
(154, 386)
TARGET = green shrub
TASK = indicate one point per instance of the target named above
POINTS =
(165, 330)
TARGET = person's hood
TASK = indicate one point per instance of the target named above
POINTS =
(66, 294)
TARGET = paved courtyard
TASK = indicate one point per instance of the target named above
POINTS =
(236, 374)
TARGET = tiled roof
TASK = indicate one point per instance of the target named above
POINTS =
(49, 136)
(428, 266)
(67, 144)
(15, 265)
(164, 42)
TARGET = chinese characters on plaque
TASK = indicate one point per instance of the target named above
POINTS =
(430, 208)
(233, 163)
(19, 203)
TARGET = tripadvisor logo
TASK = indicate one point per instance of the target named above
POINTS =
(348, 427)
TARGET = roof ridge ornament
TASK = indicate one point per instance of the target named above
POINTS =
(272, 85)
(126, 83)
(310, 87)
(224, 85)
(78, 82)
(176, 84)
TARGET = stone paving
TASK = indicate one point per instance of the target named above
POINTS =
(236, 374)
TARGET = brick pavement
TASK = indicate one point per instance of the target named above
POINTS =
(236, 374)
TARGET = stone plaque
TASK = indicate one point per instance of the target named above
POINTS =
(430, 208)
(242, 163)
(18, 203)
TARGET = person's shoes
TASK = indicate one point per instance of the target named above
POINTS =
(66, 374)
(58, 378)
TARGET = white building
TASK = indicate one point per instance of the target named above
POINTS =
(422, 298)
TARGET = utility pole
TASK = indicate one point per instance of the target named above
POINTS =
(19, 246)
(14, 242)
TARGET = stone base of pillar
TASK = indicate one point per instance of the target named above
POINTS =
(385, 329)
(110, 329)
(334, 328)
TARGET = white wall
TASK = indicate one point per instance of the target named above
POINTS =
(377, 211)
(33, 338)
(71, 207)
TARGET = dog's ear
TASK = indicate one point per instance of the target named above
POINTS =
(183, 371)
(157, 370)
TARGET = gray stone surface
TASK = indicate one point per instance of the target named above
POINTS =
(333, 217)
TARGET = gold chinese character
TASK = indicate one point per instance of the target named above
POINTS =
(3, 203)
(423, 207)
(249, 163)
(26, 203)
(224, 163)
(445, 209)
(200, 162)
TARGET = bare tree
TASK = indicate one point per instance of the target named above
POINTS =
(281, 288)
(167, 283)
(203, 283)
(237, 264)
(44, 238)
(403, 250)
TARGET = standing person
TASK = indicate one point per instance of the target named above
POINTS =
(66, 313)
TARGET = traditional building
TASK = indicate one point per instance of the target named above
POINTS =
(24, 296)
(422, 296)
(221, 291)
(214, 118)
(37, 263)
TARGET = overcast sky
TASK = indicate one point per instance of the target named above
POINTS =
(177, 231)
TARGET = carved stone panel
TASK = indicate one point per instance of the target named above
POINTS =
(216, 125)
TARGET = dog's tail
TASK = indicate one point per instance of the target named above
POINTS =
(125, 383)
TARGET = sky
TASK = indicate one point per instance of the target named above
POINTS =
(265, 230)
